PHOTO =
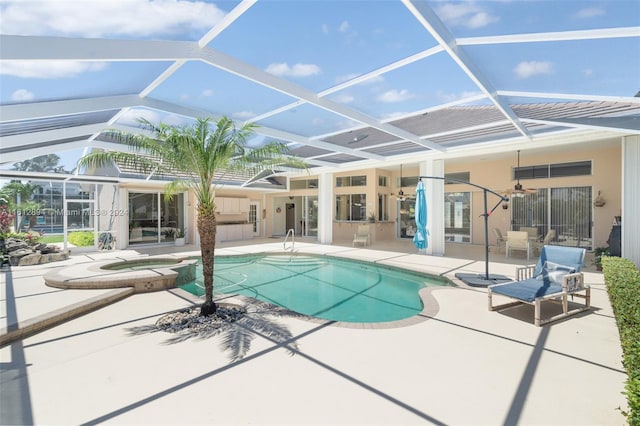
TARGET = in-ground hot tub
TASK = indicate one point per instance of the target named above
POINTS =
(143, 274)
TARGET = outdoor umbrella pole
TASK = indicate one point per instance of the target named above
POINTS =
(486, 214)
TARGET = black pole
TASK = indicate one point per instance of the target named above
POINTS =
(486, 238)
(486, 214)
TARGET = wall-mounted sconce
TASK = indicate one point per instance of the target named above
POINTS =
(599, 201)
(505, 206)
(291, 197)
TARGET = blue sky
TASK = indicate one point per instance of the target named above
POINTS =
(319, 44)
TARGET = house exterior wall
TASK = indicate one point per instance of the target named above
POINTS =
(495, 175)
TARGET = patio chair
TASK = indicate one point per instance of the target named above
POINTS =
(500, 240)
(362, 236)
(518, 240)
(548, 238)
(554, 278)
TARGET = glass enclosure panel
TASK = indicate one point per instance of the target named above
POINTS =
(457, 217)
(80, 191)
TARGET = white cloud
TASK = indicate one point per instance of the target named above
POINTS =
(344, 27)
(297, 70)
(587, 72)
(207, 93)
(49, 69)
(528, 69)
(325, 29)
(590, 12)
(468, 15)
(22, 95)
(243, 115)
(451, 97)
(371, 80)
(344, 98)
(131, 117)
(99, 18)
(394, 95)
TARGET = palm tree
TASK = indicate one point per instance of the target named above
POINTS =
(199, 152)
(42, 163)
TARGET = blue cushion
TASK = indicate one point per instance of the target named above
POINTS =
(527, 290)
(569, 256)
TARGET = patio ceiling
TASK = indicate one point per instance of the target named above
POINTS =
(347, 84)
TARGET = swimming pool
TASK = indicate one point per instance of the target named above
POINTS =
(321, 286)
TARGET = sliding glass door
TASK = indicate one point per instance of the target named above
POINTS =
(154, 218)
(568, 211)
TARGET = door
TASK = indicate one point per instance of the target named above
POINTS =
(290, 220)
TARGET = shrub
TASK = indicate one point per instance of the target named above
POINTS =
(81, 238)
(623, 285)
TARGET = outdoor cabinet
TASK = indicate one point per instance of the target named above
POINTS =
(226, 205)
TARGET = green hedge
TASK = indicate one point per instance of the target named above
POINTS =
(623, 285)
(81, 238)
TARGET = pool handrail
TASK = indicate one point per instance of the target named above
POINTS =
(293, 240)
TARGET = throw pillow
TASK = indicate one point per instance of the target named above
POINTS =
(553, 272)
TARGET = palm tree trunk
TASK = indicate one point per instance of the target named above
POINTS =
(207, 231)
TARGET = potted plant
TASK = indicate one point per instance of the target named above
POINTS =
(372, 216)
(178, 237)
(598, 252)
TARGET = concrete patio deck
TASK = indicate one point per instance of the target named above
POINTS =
(462, 366)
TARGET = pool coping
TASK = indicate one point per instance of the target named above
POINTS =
(93, 276)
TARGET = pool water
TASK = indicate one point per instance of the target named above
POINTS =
(321, 286)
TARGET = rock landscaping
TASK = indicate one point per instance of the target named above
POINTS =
(21, 253)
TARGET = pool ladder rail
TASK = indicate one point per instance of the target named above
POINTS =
(293, 241)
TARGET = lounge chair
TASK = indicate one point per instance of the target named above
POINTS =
(518, 240)
(362, 236)
(555, 277)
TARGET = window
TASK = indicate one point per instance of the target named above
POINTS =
(457, 217)
(409, 181)
(458, 176)
(383, 207)
(351, 207)
(304, 184)
(351, 181)
(542, 171)
(578, 168)
(383, 181)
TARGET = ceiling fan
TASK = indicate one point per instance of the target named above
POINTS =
(518, 190)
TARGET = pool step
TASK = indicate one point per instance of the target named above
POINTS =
(293, 261)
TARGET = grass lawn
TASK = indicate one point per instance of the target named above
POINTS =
(50, 239)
